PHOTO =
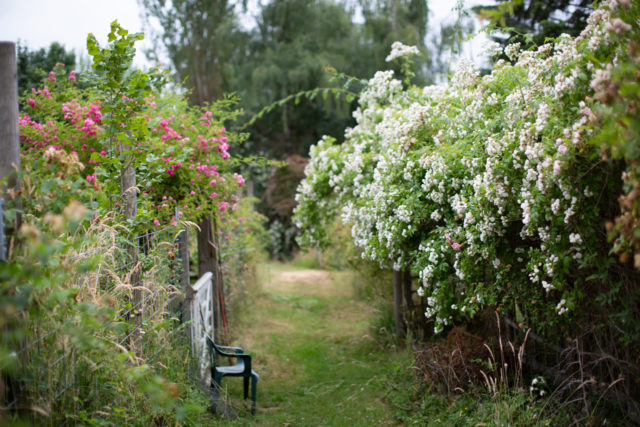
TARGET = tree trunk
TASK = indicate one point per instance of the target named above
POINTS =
(397, 303)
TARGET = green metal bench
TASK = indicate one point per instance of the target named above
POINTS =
(242, 368)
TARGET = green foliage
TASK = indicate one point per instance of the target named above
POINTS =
(495, 190)
(102, 347)
(62, 332)
(532, 22)
(125, 120)
(284, 55)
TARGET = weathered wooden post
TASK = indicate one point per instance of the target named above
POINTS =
(185, 279)
(9, 133)
(219, 307)
(9, 136)
(128, 193)
(250, 190)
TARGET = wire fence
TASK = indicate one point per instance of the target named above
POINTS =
(141, 280)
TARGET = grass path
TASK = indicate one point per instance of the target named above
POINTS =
(311, 342)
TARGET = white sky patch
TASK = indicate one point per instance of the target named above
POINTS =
(38, 23)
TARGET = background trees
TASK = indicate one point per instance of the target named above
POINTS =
(201, 39)
(34, 64)
(530, 22)
(283, 51)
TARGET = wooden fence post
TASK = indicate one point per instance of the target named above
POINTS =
(128, 192)
(397, 302)
(9, 132)
(409, 315)
(185, 280)
(218, 283)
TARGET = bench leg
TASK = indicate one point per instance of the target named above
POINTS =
(254, 392)
(246, 387)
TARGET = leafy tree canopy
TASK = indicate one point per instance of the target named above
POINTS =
(531, 22)
(202, 39)
(284, 53)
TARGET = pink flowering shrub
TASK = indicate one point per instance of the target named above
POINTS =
(182, 154)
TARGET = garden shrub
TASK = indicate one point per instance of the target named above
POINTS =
(517, 190)
(67, 289)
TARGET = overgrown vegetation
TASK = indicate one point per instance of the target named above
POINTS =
(500, 192)
(93, 287)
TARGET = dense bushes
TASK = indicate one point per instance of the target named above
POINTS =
(91, 293)
(512, 190)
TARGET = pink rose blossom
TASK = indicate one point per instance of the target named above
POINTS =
(156, 222)
(72, 75)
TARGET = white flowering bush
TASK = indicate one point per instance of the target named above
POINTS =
(495, 190)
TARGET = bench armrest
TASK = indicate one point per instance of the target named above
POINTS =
(225, 350)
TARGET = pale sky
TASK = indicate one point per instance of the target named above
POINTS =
(37, 23)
